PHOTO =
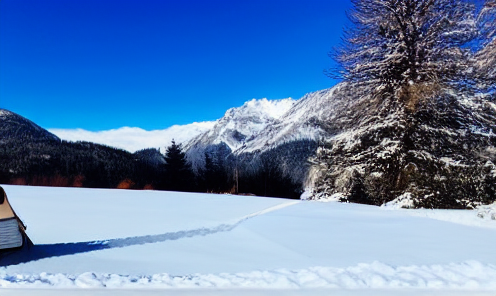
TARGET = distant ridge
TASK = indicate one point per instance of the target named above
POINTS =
(15, 127)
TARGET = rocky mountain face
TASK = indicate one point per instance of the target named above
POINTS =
(256, 127)
(242, 125)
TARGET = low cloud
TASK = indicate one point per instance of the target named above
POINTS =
(133, 138)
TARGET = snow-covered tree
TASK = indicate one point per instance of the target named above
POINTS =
(406, 48)
(413, 125)
(486, 57)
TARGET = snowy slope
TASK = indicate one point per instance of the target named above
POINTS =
(144, 239)
(256, 127)
(306, 119)
(242, 124)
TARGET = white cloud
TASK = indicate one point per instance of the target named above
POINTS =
(134, 138)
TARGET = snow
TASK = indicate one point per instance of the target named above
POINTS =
(487, 211)
(403, 201)
(468, 275)
(295, 124)
(265, 124)
(241, 124)
(134, 240)
(4, 113)
(133, 139)
(481, 217)
(273, 108)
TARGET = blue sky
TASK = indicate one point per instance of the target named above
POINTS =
(104, 64)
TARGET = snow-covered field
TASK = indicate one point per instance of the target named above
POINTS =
(116, 242)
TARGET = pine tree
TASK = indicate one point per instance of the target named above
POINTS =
(214, 174)
(178, 173)
(404, 49)
(413, 123)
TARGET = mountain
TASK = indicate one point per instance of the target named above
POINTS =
(243, 124)
(307, 119)
(283, 133)
(255, 127)
(16, 127)
(30, 155)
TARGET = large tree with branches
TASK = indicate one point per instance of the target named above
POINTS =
(415, 129)
(406, 48)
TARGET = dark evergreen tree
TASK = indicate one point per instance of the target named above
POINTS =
(30, 155)
(264, 176)
(178, 173)
(212, 177)
(61, 163)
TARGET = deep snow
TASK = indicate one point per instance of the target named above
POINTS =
(96, 238)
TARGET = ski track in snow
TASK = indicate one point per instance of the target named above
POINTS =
(140, 240)
(38, 252)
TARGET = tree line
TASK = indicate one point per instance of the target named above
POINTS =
(85, 164)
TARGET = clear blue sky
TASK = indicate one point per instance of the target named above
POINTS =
(102, 64)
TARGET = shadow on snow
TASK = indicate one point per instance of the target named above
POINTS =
(36, 252)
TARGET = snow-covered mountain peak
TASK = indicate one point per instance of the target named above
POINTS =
(273, 108)
(263, 126)
(301, 121)
(5, 113)
(241, 124)
(262, 108)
